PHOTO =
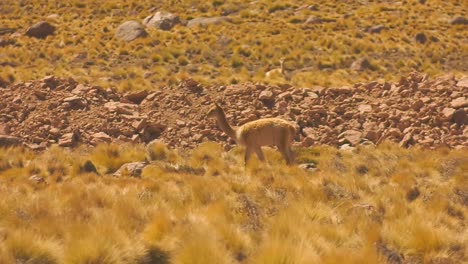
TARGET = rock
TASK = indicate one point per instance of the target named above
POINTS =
(459, 117)
(407, 140)
(308, 166)
(417, 105)
(204, 21)
(459, 21)
(121, 108)
(192, 85)
(88, 167)
(307, 142)
(365, 108)
(459, 102)
(100, 137)
(136, 97)
(132, 169)
(448, 113)
(376, 29)
(352, 136)
(130, 30)
(266, 95)
(76, 102)
(313, 20)
(463, 82)
(7, 141)
(37, 179)
(420, 38)
(139, 124)
(40, 30)
(412, 194)
(68, 139)
(4, 129)
(162, 20)
(361, 65)
(347, 147)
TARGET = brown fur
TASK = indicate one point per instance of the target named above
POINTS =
(263, 132)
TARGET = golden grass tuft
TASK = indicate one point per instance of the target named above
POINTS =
(353, 209)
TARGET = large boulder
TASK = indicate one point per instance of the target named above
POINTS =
(40, 30)
(130, 30)
(162, 20)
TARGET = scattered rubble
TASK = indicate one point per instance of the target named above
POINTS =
(415, 111)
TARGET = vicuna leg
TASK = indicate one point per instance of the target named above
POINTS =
(248, 153)
(285, 149)
(260, 155)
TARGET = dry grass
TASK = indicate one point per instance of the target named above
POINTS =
(261, 32)
(204, 207)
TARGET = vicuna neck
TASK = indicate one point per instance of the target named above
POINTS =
(224, 125)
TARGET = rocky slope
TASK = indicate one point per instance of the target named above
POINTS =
(415, 111)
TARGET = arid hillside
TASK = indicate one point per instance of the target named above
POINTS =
(226, 42)
(107, 155)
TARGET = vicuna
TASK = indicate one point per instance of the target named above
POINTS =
(255, 134)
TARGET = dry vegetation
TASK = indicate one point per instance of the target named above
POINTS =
(374, 205)
(261, 32)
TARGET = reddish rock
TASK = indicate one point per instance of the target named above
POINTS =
(100, 137)
(448, 113)
(7, 141)
(136, 97)
(459, 102)
(351, 136)
(266, 95)
(121, 108)
(365, 108)
(139, 124)
(68, 140)
(463, 82)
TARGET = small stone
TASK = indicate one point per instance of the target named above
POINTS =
(376, 29)
(352, 136)
(420, 38)
(37, 179)
(459, 102)
(365, 108)
(448, 113)
(266, 95)
(68, 140)
(361, 65)
(463, 82)
(88, 167)
(132, 169)
(308, 166)
(459, 117)
(139, 124)
(7, 141)
(136, 97)
(100, 137)
(162, 20)
(459, 21)
(412, 194)
(40, 30)
(130, 30)
(313, 20)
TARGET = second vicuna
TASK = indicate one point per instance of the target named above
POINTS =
(255, 134)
